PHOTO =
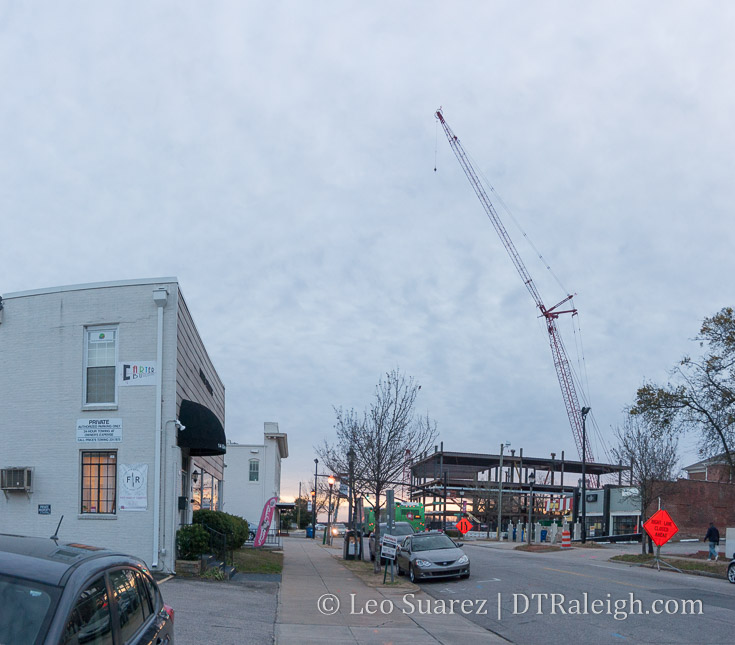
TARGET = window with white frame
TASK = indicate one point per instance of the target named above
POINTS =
(99, 481)
(254, 470)
(100, 358)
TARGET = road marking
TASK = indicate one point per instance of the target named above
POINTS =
(490, 580)
(584, 575)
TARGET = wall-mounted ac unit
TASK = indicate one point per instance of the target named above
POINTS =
(20, 479)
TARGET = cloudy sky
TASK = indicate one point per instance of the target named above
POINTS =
(278, 158)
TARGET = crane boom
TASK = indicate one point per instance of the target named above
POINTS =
(561, 362)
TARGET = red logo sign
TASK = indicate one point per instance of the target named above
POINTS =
(464, 525)
(660, 527)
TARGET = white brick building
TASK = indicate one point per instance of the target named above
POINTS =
(81, 371)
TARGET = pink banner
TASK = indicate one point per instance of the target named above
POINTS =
(265, 521)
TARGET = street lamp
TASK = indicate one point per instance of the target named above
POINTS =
(330, 481)
(316, 488)
(531, 481)
(351, 482)
(585, 412)
(500, 492)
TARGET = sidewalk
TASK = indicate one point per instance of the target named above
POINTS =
(321, 601)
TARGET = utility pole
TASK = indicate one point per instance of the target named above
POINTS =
(298, 509)
(585, 412)
(531, 481)
(316, 492)
(500, 492)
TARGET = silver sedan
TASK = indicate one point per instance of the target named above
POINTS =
(432, 555)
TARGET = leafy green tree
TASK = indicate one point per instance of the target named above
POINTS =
(700, 398)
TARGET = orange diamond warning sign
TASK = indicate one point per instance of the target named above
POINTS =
(660, 527)
(464, 525)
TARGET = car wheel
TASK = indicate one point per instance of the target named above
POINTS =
(731, 573)
(411, 574)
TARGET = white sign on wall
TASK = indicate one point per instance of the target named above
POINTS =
(102, 430)
(136, 373)
(133, 494)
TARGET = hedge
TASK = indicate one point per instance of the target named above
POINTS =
(191, 542)
(235, 528)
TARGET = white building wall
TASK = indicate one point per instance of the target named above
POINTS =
(41, 399)
(245, 498)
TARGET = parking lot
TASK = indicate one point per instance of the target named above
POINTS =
(222, 612)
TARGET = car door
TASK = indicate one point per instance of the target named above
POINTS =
(90, 620)
(159, 629)
(403, 553)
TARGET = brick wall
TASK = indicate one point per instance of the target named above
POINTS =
(694, 504)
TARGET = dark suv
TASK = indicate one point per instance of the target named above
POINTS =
(75, 593)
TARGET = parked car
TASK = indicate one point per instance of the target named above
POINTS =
(338, 529)
(432, 555)
(52, 592)
(731, 571)
(401, 529)
(320, 527)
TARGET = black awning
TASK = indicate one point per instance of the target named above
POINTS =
(203, 434)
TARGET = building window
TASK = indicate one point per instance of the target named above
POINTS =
(254, 470)
(100, 357)
(625, 524)
(99, 481)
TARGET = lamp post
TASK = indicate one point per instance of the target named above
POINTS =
(531, 481)
(316, 488)
(500, 492)
(585, 412)
(330, 481)
(351, 483)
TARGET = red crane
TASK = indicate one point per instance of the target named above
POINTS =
(561, 362)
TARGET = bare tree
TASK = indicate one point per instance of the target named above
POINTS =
(652, 456)
(379, 439)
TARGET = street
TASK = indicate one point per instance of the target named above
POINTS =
(634, 604)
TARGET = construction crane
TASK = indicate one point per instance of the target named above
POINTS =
(561, 362)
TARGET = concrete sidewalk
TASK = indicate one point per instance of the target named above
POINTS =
(321, 601)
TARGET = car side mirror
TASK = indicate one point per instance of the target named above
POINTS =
(459, 544)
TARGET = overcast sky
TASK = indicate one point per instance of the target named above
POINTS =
(278, 158)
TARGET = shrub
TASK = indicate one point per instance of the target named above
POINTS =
(234, 527)
(191, 542)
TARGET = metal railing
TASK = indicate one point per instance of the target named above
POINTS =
(219, 547)
(272, 538)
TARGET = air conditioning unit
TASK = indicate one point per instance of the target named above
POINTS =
(20, 479)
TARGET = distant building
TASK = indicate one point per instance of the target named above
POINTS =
(108, 403)
(714, 469)
(611, 510)
(254, 474)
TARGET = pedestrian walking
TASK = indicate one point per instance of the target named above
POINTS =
(713, 537)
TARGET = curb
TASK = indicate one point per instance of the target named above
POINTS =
(645, 565)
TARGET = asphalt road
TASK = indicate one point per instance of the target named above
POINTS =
(627, 600)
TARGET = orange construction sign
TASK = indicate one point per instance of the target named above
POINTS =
(660, 527)
(464, 525)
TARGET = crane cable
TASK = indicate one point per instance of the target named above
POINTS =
(582, 387)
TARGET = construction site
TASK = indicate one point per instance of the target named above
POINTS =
(494, 489)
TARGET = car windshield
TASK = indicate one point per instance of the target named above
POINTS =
(400, 529)
(431, 542)
(24, 609)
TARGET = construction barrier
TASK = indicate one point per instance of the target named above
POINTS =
(566, 540)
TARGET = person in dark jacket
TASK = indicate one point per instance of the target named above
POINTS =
(713, 537)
